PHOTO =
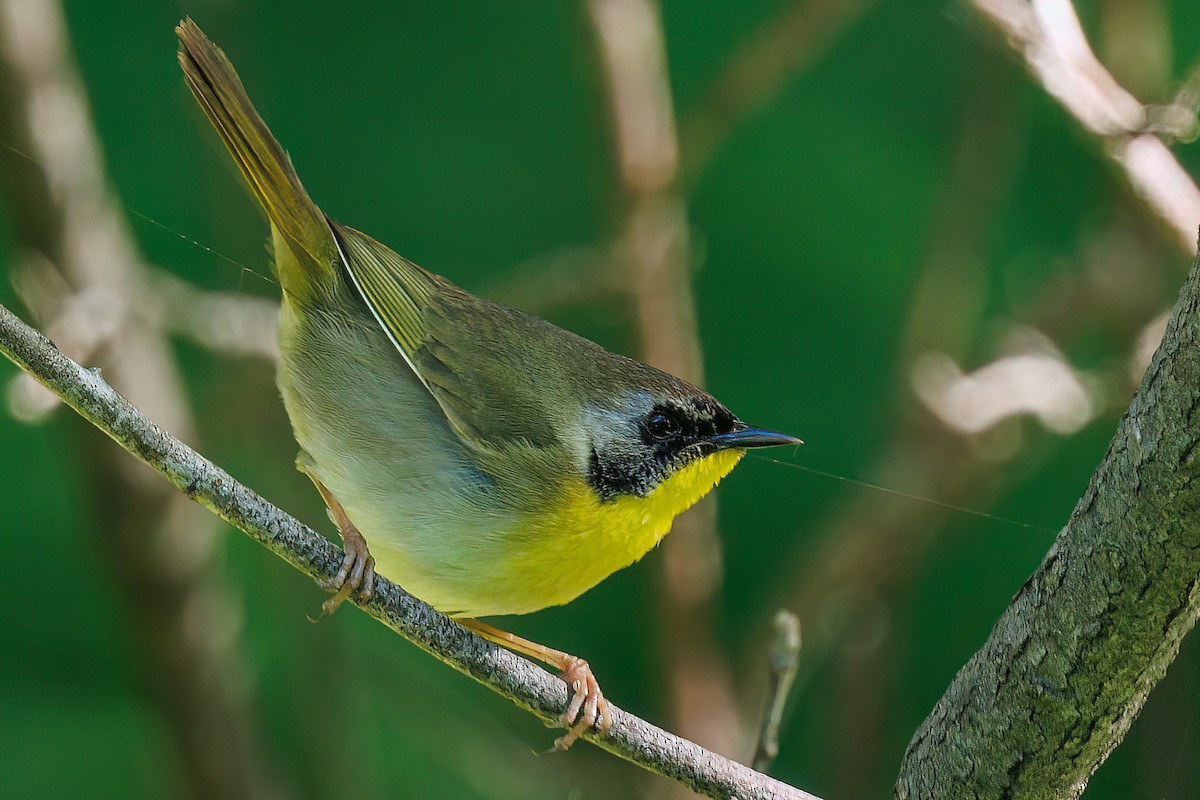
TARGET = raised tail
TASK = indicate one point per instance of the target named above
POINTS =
(313, 261)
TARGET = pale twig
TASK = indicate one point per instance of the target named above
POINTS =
(86, 323)
(1050, 38)
(83, 269)
(654, 248)
(782, 661)
(236, 324)
(527, 685)
(1178, 119)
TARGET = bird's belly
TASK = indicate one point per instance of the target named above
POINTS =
(485, 565)
(372, 434)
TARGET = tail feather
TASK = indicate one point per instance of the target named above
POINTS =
(263, 163)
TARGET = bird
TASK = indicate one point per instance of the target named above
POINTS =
(488, 461)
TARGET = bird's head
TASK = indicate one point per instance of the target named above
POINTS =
(670, 436)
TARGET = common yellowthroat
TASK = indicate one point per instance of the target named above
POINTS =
(486, 460)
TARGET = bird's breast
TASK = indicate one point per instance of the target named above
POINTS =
(584, 539)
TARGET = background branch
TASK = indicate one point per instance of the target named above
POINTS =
(162, 554)
(1049, 36)
(653, 252)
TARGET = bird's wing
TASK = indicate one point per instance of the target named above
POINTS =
(470, 354)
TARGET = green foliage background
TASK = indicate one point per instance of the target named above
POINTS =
(471, 137)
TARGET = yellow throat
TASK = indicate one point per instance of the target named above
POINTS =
(588, 538)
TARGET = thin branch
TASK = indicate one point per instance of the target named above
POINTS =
(868, 542)
(231, 323)
(83, 271)
(653, 246)
(1178, 119)
(525, 684)
(1049, 36)
(781, 674)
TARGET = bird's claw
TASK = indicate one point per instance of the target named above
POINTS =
(587, 709)
(357, 572)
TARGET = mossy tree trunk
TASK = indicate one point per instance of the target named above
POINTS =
(1071, 661)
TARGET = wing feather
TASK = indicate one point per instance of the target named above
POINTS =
(408, 303)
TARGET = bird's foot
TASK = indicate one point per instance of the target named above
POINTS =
(357, 572)
(587, 708)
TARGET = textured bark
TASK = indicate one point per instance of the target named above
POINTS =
(1070, 663)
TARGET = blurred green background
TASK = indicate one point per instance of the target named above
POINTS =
(906, 190)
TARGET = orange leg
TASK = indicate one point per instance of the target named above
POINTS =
(587, 708)
(358, 567)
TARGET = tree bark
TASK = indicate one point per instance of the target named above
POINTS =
(1071, 661)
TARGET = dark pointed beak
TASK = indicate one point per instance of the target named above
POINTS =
(743, 437)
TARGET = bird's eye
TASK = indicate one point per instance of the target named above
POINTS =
(662, 424)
